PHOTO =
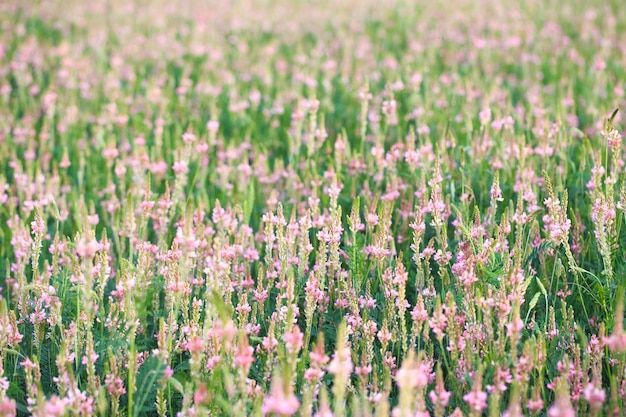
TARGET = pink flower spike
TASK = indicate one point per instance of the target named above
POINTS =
(279, 402)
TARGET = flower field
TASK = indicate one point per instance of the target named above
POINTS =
(312, 208)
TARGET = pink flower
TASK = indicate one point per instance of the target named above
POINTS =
(195, 345)
(201, 394)
(612, 136)
(213, 126)
(189, 137)
(158, 168)
(514, 327)
(318, 357)
(560, 410)
(616, 342)
(38, 226)
(535, 405)
(245, 355)
(334, 190)
(413, 375)
(294, 340)
(341, 365)
(279, 402)
(269, 343)
(440, 397)
(65, 162)
(87, 248)
(562, 406)
(115, 385)
(363, 370)
(7, 407)
(313, 374)
(91, 358)
(384, 335)
(55, 407)
(595, 396)
(484, 116)
(180, 167)
(438, 323)
(110, 153)
(213, 361)
(477, 400)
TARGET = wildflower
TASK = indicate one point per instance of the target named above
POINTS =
(363, 370)
(213, 126)
(413, 374)
(8, 407)
(595, 396)
(496, 192)
(616, 342)
(87, 248)
(334, 189)
(201, 395)
(280, 402)
(612, 136)
(110, 153)
(484, 116)
(562, 406)
(557, 222)
(318, 357)
(115, 385)
(195, 345)
(535, 405)
(477, 400)
(438, 322)
(38, 226)
(440, 397)
(293, 340)
(189, 137)
(180, 167)
(244, 357)
(55, 406)
(341, 365)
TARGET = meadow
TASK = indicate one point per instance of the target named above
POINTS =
(313, 208)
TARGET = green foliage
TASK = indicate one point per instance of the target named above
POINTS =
(148, 376)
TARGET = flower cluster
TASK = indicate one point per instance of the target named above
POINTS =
(364, 208)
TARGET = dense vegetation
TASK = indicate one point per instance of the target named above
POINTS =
(312, 208)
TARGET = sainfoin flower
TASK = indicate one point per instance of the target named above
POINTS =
(413, 375)
(294, 339)
(279, 402)
(476, 400)
(341, 365)
(190, 197)
(87, 248)
(612, 136)
(595, 396)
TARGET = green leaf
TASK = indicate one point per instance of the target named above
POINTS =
(149, 373)
(176, 384)
(533, 302)
(542, 288)
(248, 205)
